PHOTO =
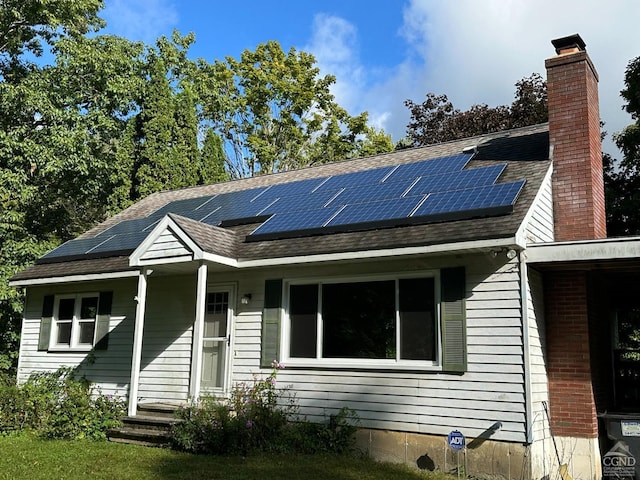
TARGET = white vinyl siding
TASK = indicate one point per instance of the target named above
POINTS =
(167, 340)
(540, 225)
(491, 390)
(108, 369)
(539, 384)
(167, 246)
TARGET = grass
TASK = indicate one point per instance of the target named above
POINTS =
(30, 458)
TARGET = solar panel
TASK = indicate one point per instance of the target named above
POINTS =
(435, 166)
(292, 188)
(130, 226)
(124, 242)
(379, 212)
(231, 206)
(292, 203)
(184, 207)
(367, 193)
(350, 180)
(308, 221)
(491, 196)
(457, 181)
(439, 189)
(74, 248)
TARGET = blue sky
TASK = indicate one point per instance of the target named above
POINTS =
(385, 51)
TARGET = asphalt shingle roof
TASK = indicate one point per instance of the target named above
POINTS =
(525, 151)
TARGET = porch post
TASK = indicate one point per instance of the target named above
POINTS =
(137, 342)
(198, 331)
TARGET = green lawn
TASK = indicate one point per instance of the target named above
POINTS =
(33, 459)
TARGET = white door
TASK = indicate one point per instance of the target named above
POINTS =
(216, 340)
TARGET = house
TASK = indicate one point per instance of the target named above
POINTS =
(467, 286)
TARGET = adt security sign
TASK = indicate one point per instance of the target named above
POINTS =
(456, 440)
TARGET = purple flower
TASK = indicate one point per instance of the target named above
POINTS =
(249, 424)
(277, 365)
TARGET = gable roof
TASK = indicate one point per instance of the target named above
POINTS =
(524, 151)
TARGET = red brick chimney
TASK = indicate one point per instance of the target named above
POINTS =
(574, 136)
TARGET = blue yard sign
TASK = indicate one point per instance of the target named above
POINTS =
(456, 440)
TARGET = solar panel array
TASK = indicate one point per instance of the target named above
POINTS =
(416, 193)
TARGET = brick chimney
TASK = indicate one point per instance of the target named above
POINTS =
(574, 136)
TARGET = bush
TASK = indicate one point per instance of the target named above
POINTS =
(58, 405)
(259, 418)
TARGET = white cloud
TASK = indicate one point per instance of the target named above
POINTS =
(334, 44)
(143, 20)
(476, 51)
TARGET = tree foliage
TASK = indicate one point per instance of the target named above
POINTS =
(622, 180)
(436, 119)
(110, 121)
(274, 112)
(26, 24)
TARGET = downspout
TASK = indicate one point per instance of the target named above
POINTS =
(524, 305)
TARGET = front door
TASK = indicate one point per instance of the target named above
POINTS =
(216, 340)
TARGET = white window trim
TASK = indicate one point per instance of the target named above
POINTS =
(360, 363)
(74, 346)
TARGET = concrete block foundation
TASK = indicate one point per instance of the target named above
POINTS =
(483, 458)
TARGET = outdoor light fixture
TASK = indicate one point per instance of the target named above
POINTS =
(509, 253)
(246, 298)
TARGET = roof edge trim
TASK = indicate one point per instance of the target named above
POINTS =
(389, 252)
(584, 250)
(87, 277)
(167, 223)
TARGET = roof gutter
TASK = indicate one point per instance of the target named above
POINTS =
(459, 247)
(30, 282)
(447, 248)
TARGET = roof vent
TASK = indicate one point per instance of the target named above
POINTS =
(570, 44)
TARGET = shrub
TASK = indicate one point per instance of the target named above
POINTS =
(58, 405)
(258, 417)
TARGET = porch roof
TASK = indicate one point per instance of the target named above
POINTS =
(610, 253)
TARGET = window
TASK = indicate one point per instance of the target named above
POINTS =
(74, 320)
(379, 321)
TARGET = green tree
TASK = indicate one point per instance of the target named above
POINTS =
(26, 24)
(622, 180)
(27, 114)
(436, 120)
(165, 131)
(212, 159)
(153, 165)
(274, 112)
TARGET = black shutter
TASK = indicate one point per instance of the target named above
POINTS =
(45, 322)
(271, 316)
(102, 320)
(454, 324)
